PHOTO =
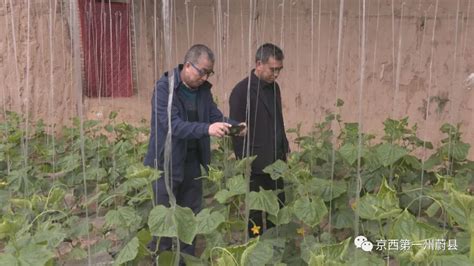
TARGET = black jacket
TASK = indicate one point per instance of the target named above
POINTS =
(261, 123)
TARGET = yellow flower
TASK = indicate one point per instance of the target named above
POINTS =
(255, 229)
(300, 231)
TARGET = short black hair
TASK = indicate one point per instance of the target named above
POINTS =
(268, 50)
(193, 54)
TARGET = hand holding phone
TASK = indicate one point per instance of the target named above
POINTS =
(235, 130)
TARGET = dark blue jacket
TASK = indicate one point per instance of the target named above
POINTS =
(182, 130)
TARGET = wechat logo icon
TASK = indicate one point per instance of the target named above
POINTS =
(364, 244)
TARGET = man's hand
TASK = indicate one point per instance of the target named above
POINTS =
(244, 130)
(219, 129)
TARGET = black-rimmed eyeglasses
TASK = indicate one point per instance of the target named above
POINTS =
(201, 72)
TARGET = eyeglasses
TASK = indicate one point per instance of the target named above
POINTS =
(276, 69)
(201, 72)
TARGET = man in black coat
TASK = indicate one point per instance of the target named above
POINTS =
(266, 136)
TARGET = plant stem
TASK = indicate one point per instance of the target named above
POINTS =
(471, 251)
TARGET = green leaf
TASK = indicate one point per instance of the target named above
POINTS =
(95, 173)
(88, 124)
(133, 184)
(113, 115)
(317, 260)
(53, 234)
(215, 174)
(236, 185)
(112, 218)
(283, 216)
(450, 260)
(144, 238)
(56, 195)
(276, 170)
(192, 261)
(365, 258)
(20, 180)
(395, 129)
(237, 251)
(128, 253)
(331, 252)
(371, 160)
(109, 128)
(310, 211)
(34, 254)
(448, 128)
(407, 227)
(264, 200)
(208, 222)
(460, 150)
(226, 259)
(343, 218)
(141, 171)
(322, 188)
(433, 209)
(258, 253)
(412, 161)
(8, 259)
(390, 153)
(124, 217)
(161, 222)
(166, 258)
(78, 226)
(69, 162)
(433, 161)
(223, 195)
(350, 152)
(245, 164)
(461, 209)
(166, 222)
(382, 206)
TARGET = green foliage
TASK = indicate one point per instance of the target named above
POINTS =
(168, 222)
(45, 189)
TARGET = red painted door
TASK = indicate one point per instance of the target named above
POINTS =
(106, 48)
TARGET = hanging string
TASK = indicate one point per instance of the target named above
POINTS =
(338, 70)
(361, 94)
(393, 45)
(467, 27)
(428, 104)
(186, 7)
(318, 53)
(282, 24)
(167, 14)
(76, 72)
(27, 99)
(247, 119)
(397, 80)
(376, 38)
(449, 170)
(4, 98)
(242, 42)
(399, 54)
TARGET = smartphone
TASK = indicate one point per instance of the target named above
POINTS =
(234, 130)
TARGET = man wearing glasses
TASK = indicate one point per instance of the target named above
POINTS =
(266, 136)
(194, 118)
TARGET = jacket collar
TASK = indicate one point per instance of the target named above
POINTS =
(256, 82)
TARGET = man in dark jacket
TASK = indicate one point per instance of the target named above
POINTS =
(266, 136)
(194, 118)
